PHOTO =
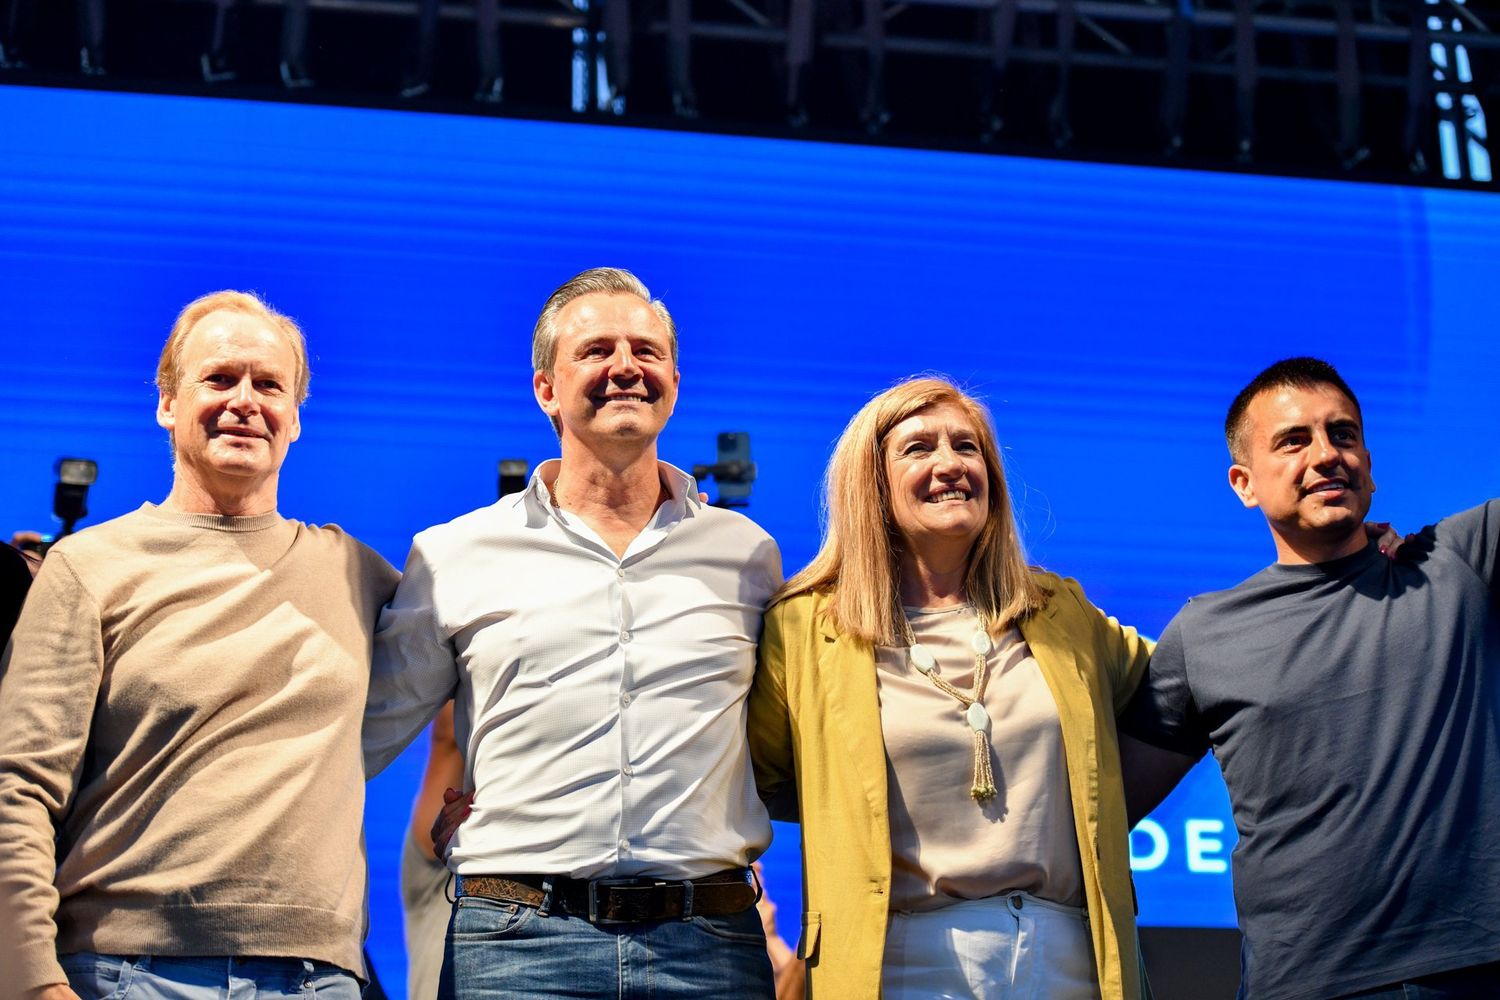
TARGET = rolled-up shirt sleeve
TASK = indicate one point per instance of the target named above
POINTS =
(413, 670)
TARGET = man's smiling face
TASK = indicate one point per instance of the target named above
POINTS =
(613, 377)
(1306, 467)
(234, 412)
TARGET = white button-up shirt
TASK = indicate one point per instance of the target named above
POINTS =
(599, 700)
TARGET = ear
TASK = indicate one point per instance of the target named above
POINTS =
(1240, 482)
(541, 386)
(166, 412)
(295, 431)
(676, 384)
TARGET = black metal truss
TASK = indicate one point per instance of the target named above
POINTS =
(1387, 72)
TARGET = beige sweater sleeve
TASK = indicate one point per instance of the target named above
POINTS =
(49, 682)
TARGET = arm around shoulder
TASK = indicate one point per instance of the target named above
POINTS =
(413, 671)
(1150, 774)
(770, 723)
(1122, 652)
(1161, 735)
(1475, 535)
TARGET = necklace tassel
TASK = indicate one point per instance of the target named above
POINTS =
(984, 775)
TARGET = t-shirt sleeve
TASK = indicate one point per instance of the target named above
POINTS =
(1475, 535)
(1163, 712)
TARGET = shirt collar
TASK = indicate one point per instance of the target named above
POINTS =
(682, 490)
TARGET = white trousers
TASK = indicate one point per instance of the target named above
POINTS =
(1010, 947)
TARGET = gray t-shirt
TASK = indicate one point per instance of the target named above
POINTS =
(1354, 708)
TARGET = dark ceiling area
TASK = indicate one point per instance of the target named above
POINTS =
(1369, 90)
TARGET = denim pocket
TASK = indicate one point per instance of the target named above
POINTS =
(478, 919)
(743, 927)
(97, 977)
(329, 982)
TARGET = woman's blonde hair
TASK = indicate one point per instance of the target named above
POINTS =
(859, 563)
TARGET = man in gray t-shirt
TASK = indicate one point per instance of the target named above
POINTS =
(1353, 704)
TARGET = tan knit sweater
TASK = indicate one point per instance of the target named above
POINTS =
(181, 704)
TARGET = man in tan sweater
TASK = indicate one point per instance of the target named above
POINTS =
(180, 771)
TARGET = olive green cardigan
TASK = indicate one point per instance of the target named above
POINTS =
(815, 726)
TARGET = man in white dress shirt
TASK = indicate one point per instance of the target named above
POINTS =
(597, 632)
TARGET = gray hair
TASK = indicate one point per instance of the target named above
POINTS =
(596, 280)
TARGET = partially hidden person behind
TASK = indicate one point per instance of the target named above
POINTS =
(946, 715)
(183, 681)
(425, 907)
(15, 580)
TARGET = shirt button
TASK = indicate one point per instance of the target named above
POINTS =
(625, 698)
(624, 636)
(620, 573)
(627, 770)
(624, 847)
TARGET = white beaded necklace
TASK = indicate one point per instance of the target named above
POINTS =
(974, 712)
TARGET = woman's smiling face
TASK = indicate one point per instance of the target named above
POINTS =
(938, 479)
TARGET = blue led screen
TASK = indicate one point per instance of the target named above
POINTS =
(1107, 314)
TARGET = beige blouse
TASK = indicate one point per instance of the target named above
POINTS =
(945, 846)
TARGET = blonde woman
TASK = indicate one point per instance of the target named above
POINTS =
(946, 716)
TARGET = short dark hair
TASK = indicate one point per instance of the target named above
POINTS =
(1289, 373)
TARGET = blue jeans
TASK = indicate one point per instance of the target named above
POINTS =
(1477, 982)
(161, 977)
(498, 949)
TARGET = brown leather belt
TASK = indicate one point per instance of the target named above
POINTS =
(620, 900)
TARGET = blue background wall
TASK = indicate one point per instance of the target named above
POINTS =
(1108, 314)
